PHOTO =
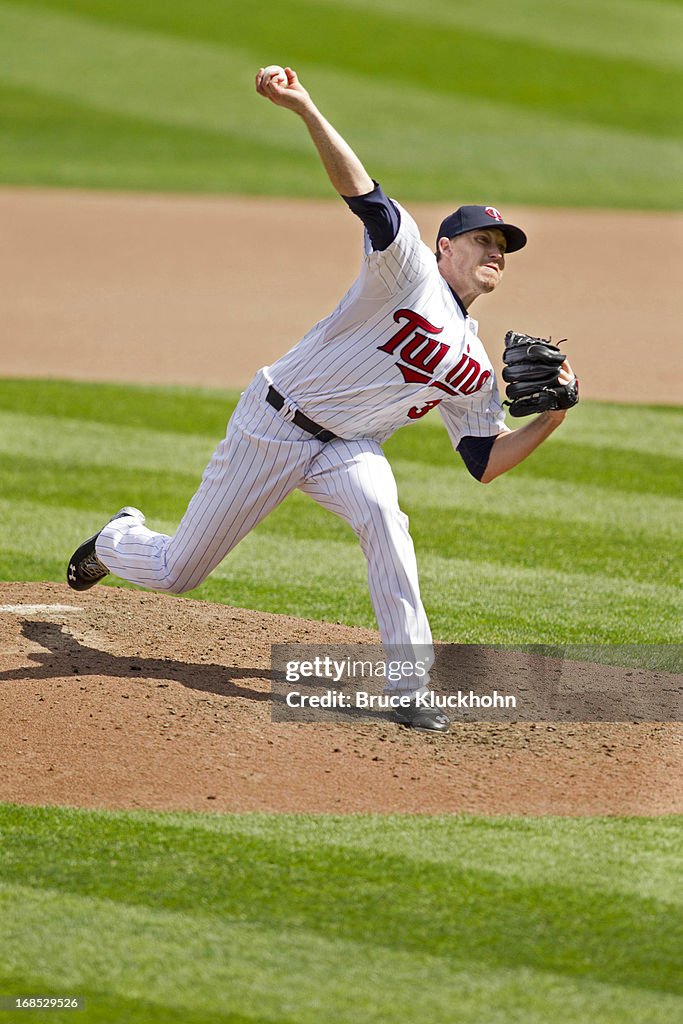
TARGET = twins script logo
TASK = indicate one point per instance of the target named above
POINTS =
(419, 354)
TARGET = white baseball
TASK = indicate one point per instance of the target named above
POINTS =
(277, 73)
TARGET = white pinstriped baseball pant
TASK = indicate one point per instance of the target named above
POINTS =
(260, 461)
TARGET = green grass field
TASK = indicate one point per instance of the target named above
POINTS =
(561, 104)
(575, 545)
(301, 919)
(182, 919)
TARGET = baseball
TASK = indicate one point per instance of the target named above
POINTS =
(276, 72)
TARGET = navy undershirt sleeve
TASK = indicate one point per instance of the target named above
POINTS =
(379, 215)
(475, 452)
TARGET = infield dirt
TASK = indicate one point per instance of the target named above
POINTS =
(127, 699)
(131, 699)
(204, 290)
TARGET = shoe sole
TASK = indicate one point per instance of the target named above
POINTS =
(88, 548)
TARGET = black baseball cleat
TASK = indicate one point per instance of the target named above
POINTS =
(424, 719)
(85, 568)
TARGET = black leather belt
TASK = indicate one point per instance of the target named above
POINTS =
(275, 399)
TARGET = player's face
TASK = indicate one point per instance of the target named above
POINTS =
(473, 263)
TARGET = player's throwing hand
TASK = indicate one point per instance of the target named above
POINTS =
(293, 95)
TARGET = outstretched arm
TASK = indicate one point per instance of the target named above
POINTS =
(512, 446)
(344, 169)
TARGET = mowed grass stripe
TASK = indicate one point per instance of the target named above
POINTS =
(166, 409)
(159, 879)
(467, 601)
(545, 543)
(548, 544)
(135, 72)
(288, 974)
(655, 430)
(325, 579)
(106, 1007)
(603, 90)
(127, 463)
(80, 443)
(412, 449)
(116, 464)
(645, 32)
(49, 140)
(653, 465)
(592, 562)
(627, 856)
(125, 459)
(453, 488)
(164, 105)
(612, 427)
(612, 469)
(185, 410)
(63, 484)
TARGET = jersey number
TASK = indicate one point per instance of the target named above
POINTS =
(421, 410)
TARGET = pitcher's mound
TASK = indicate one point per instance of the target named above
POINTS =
(117, 698)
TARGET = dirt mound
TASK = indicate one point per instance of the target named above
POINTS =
(124, 699)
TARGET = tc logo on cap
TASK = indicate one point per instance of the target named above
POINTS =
(493, 212)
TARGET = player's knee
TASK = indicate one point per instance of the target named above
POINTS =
(184, 586)
(178, 588)
(179, 580)
(381, 516)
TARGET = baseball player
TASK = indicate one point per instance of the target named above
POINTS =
(400, 343)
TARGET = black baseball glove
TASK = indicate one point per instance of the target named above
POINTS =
(532, 373)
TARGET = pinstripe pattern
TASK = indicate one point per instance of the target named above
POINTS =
(354, 480)
(348, 376)
(481, 417)
(339, 374)
(262, 458)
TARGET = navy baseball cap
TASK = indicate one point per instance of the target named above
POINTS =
(473, 218)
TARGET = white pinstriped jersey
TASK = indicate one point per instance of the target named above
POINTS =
(397, 345)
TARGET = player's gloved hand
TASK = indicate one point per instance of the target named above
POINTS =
(538, 376)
